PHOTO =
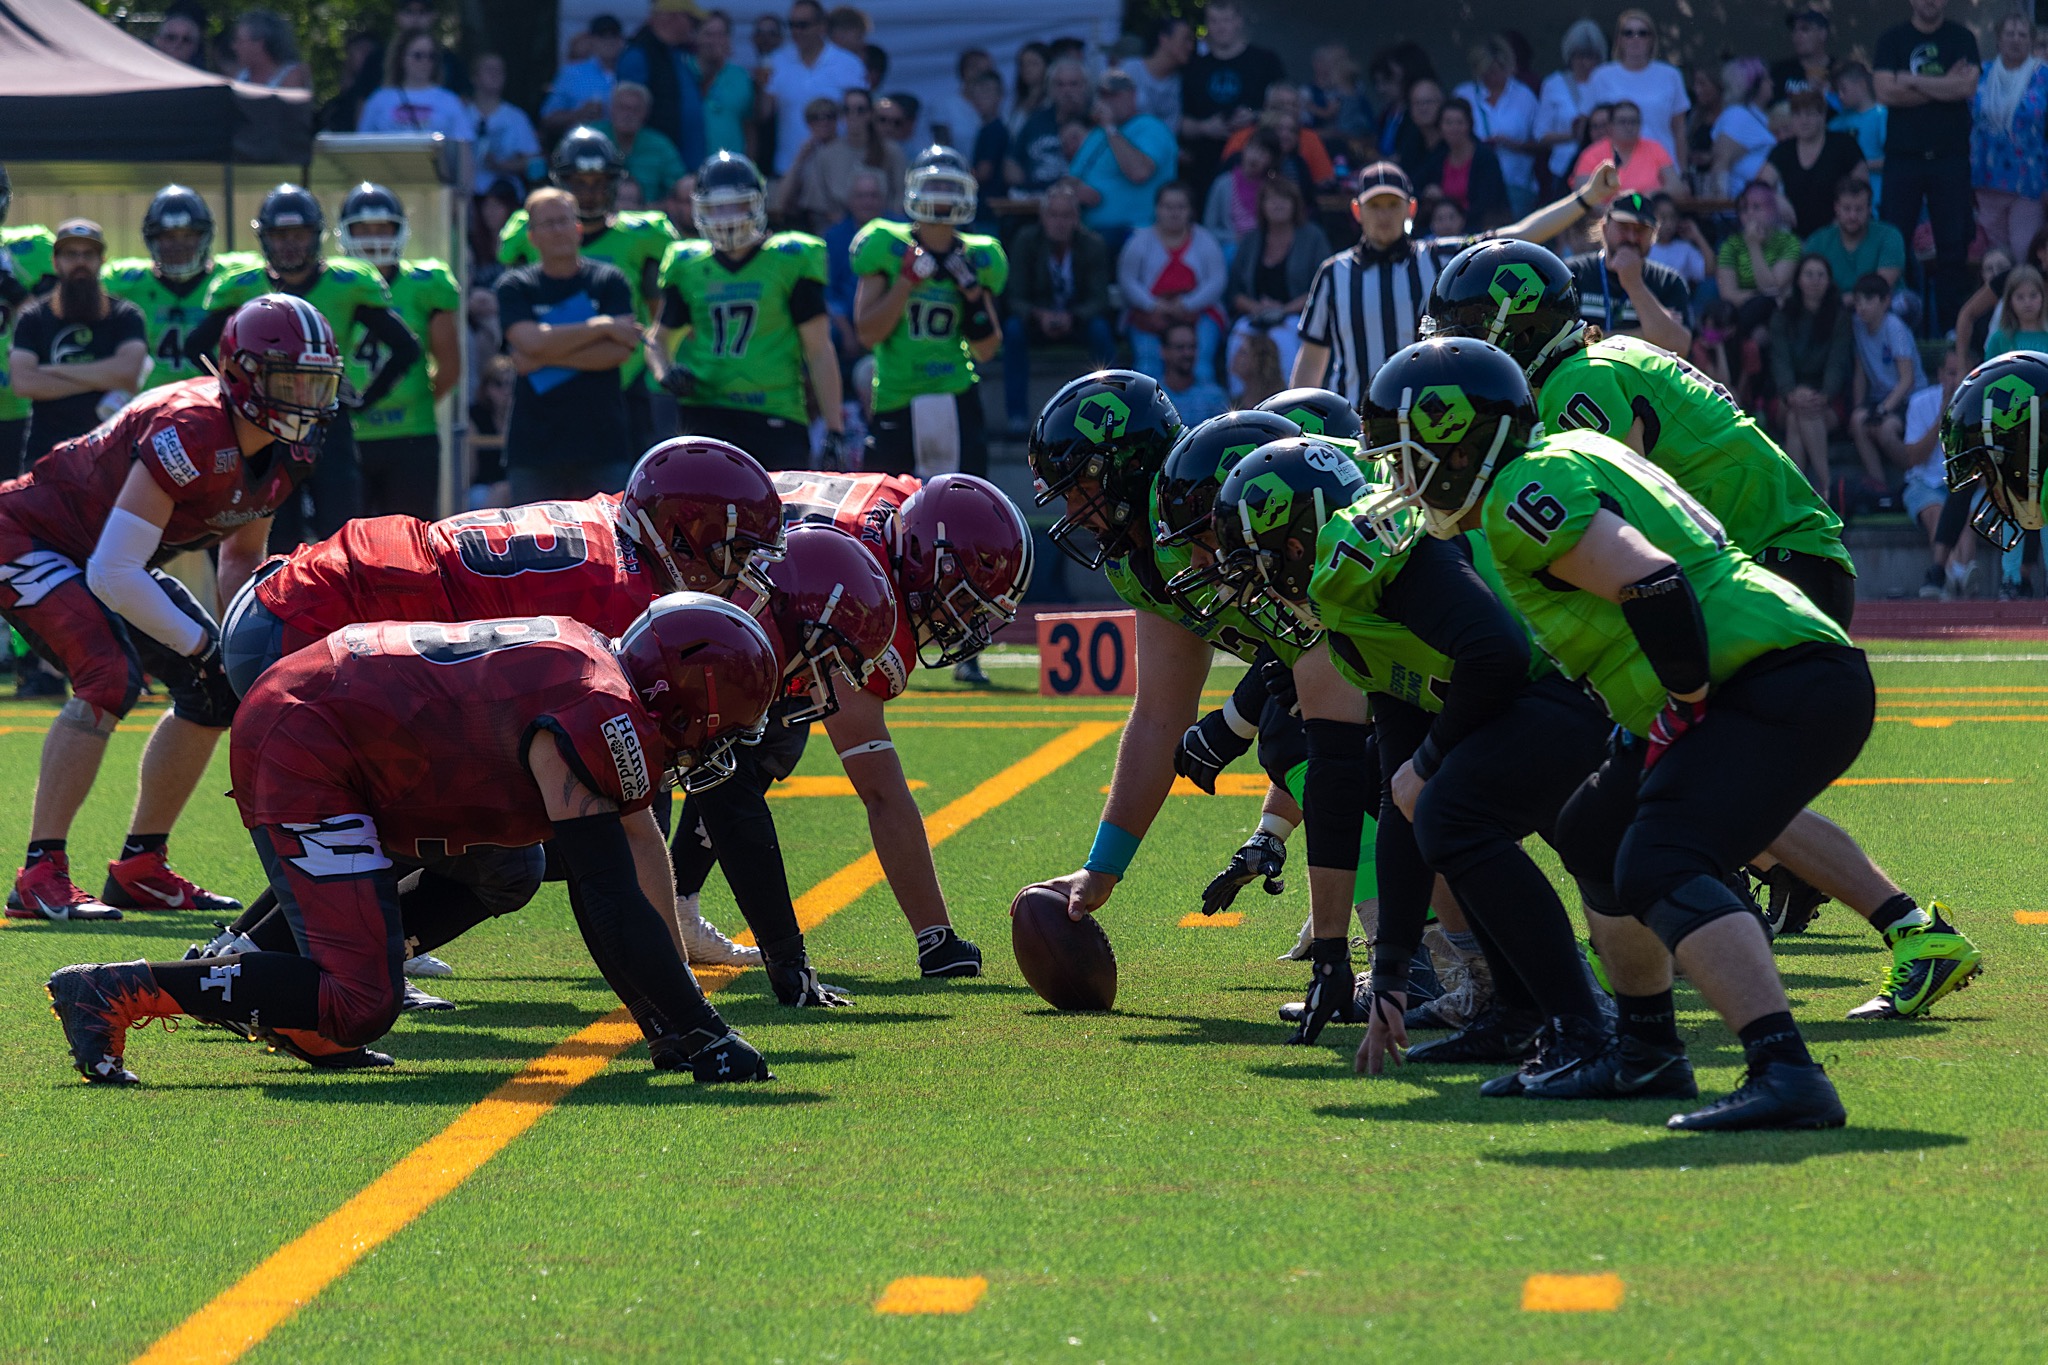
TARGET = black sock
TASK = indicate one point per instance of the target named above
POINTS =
(438, 909)
(1508, 988)
(1892, 911)
(265, 902)
(39, 849)
(1649, 1019)
(273, 933)
(144, 843)
(747, 851)
(1509, 901)
(691, 853)
(1774, 1038)
(278, 990)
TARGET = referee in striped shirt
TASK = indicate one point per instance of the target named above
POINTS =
(1366, 302)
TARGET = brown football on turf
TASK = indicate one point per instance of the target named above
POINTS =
(1068, 962)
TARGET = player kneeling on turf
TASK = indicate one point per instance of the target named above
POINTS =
(456, 750)
(1748, 702)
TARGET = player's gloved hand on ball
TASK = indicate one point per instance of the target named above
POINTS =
(1206, 748)
(679, 382)
(1262, 856)
(1329, 990)
(1674, 720)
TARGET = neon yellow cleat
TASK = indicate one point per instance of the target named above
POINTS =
(1929, 961)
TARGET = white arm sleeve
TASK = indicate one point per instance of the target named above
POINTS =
(118, 574)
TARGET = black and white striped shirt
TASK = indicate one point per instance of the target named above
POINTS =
(1365, 304)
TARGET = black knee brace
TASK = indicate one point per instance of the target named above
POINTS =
(1689, 907)
(1339, 787)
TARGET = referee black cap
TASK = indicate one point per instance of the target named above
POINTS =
(1384, 177)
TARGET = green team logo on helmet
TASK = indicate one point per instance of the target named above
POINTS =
(1232, 456)
(1308, 419)
(1518, 286)
(2010, 401)
(1102, 418)
(1442, 414)
(1267, 502)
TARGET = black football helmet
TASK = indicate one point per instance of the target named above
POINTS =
(1446, 414)
(730, 203)
(1111, 429)
(1185, 491)
(1515, 294)
(939, 187)
(1992, 434)
(588, 165)
(368, 203)
(1269, 512)
(1318, 412)
(289, 206)
(176, 209)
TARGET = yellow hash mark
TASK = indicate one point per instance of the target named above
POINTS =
(790, 788)
(1222, 919)
(931, 1294)
(1571, 1293)
(1229, 784)
(2030, 916)
(250, 1309)
(1943, 722)
(1923, 782)
(1952, 691)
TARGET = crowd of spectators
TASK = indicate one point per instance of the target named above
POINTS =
(1817, 223)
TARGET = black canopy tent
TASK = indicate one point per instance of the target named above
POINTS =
(74, 87)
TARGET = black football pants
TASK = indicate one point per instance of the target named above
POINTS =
(731, 827)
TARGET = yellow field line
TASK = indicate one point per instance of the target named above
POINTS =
(1897, 704)
(292, 1277)
(1923, 782)
(1954, 691)
(1943, 722)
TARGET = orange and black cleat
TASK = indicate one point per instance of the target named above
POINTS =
(97, 1004)
(320, 1052)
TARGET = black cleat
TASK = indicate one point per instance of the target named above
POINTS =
(1628, 1069)
(1563, 1046)
(418, 1001)
(1790, 904)
(1499, 1034)
(712, 1059)
(320, 1054)
(1781, 1095)
(97, 1004)
(941, 952)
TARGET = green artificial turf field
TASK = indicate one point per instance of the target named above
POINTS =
(1164, 1183)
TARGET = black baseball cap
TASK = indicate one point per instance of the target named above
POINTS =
(606, 26)
(1809, 15)
(1633, 207)
(1384, 177)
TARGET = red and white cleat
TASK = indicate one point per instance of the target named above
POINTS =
(146, 882)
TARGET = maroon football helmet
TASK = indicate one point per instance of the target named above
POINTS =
(831, 613)
(706, 672)
(963, 564)
(705, 513)
(280, 367)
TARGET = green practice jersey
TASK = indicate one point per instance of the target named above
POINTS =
(419, 290)
(29, 251)
(1694, 430)
(167, 315)
(1541, 504)
(635, 240)
(1354, 565)
(741, 344)
(343, 285)
(1140, 580)
(928, 351)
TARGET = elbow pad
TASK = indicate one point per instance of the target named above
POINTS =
(1664, 614)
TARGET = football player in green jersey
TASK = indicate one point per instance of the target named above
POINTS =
(1522, 298)
(399, 439)
(1748, 700)
(1097, 449)
(587, 164)
(355, 301)
(926, 306)
(1458, 698)
(27, 269)
(743, 316)
(170, 287)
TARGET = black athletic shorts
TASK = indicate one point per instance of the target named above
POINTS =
(401, 476)
(891, 448)
(776, 442)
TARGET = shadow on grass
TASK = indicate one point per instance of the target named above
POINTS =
(1809, 981)
(642, 1085)
(857, 986)
(550, 1014)
(1693, 1151)
(762, 1010)
(1204, 1031)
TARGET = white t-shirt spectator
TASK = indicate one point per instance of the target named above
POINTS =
(506, 132)
(1746, 126)
(1658, 90)
(1683, 257)
(1157, 96)
(433, 110)
(1923, 411)
(1512, 116)
(1880, 353)
(576, 85)
(794, 85)
(1563, 103)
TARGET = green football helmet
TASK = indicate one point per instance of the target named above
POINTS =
(1268, 514)
(1111, 429)
(1515, 294)
(1443, 416)
(1318, 412)
(1991, 434)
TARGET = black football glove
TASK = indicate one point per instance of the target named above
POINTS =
(796, 984)
(1330, 989)
(712, 1058)
(1263, 855)
(956, 265)
(1279, 681)
(1206, 748)
(838, 447)
(679, 383)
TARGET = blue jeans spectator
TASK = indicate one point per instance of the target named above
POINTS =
(1019, 335)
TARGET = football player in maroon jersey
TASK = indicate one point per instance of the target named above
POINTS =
(958, 554)
(453, 751)
(195, 464)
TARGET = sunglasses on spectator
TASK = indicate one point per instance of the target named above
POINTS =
(796, 24)
(823, 116)
(1635, 33)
